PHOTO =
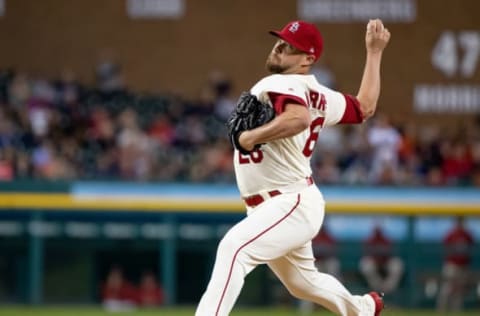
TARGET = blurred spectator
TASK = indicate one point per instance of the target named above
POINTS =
(6, 164)
(410, 164)
(117, 293)
(134, 147)
(429, 143)
(408, 142)
(434, 177)
(332, 141)
(162, 131)
(385, 142)
(355, 160)
(19, 91)
(476, 176)
(380, 267)
(7, 129)
(191, 132)
(458, 254)
(324, 75)
(150, 293)
(214, 164)
(326, 170)
(67, 93)
(23, 168)
(325, 252)
(43, 158)
(457, 163)
(222, 86)
(101, 127)
(109, 75)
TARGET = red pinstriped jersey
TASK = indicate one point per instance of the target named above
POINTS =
(281, 162)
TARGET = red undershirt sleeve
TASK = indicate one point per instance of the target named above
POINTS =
(279, 101)
(352, 114)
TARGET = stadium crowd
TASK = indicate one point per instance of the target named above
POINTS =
(61, 129)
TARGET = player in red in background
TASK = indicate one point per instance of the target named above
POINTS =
(458, 246)
(325, 253)
(285, 209)
(380, 267)
(324, 248)
(150, 293)
(117, 293)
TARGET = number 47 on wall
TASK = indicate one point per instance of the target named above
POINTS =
(446, 57)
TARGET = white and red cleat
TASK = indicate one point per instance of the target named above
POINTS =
(378, 299)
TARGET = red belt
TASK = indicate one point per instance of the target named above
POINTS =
(256, 199)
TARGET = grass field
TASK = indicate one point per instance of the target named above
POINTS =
(91, 311)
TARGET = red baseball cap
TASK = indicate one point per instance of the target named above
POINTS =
(303, 36)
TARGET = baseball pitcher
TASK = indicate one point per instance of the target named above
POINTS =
(274, 130)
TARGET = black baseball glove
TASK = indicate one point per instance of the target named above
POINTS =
(249, 114)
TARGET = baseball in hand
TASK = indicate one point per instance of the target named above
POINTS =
(375, 26)
(377, 35)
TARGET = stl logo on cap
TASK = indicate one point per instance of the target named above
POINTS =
(294, 27)
(302, 35)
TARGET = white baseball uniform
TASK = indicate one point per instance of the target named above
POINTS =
(285, 209)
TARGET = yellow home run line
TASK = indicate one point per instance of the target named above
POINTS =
(36, 201)
(69, 202)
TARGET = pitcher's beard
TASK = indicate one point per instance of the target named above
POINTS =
(274, 68)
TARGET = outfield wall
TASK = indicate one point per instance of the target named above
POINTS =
(58, 236)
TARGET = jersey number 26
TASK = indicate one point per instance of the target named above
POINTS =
(256, 156)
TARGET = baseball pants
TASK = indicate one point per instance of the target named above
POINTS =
(278, 233)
